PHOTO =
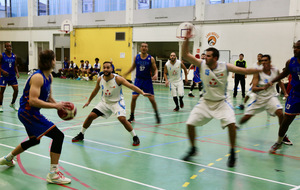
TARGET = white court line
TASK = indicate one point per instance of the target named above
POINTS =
(296, 188)
(178, 160)
(90, 169)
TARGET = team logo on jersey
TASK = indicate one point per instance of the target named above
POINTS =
(207, 72)
(212, 38)
(107, 93)
(174, 72)
(266, 81)
(220, 75)
(213, 83)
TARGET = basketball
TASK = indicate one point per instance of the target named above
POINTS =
(67, 113)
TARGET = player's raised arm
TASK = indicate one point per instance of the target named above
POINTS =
(284, 73)
(185, 51)
(242, 71)
(121, 81)
(131, 68)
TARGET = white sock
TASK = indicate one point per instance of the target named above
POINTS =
(279, 140)
(53, 167)
(83, 130)
(190, 92)
(10, 156)
(132, 133)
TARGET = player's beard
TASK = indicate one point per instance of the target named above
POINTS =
(107, 73)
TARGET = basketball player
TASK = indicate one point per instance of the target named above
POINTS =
(265, 98)
(9, 71)
(214, 102)
(65, 68)
(292, 105)
(112, 101)
(257, 65)
(173, 69)
(37, 94)
(144, 65)
(196, 78)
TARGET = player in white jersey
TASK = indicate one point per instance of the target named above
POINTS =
(214, 102)
(265, 98)
(111, 101)
(173, 79)
(257, 65)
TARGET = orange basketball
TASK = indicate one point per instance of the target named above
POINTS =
(67, 113)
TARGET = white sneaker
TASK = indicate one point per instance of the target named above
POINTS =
(57, 177)
(13, 106)
(4, 161)
(1, 109)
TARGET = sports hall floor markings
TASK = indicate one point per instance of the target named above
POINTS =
(155, 155)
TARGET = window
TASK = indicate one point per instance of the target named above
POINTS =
(120, 36)
(155, 4)
(89, 6)
(54, 7)
(227, 1)
(13, 8)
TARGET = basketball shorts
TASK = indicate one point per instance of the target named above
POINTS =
(206, 110)
(107, 109)
(260, 104)
(177, 88)
(144, 84)
(10, 81)
(292, 105)
(35, 123)
(196, 77)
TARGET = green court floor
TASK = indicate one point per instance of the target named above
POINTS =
(107, 160)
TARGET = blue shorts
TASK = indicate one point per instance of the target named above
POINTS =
(292, 105)
(144, 84)
(10, 81)
(196, 78)
(36, 124)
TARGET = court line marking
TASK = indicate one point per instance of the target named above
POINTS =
(296, 188)
(90, 169)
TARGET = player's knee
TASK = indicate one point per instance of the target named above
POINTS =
(122, 119)
(31, 142)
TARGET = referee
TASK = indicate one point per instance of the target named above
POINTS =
(239, 78)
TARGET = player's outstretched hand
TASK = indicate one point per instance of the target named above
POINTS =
(268, 85)
(154, 77)
(86, 104)
(167, 83)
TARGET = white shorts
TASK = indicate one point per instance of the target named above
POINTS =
(177, 89)
(261, 104)
(107, 109)
(205, 111)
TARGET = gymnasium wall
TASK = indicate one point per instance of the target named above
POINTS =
(89, 43)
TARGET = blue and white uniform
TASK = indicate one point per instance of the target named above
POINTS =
(175, 78)
(214, 103)
(292, 105)
(143, 74)
(8, 65)
(112, 101)
(35, 123)
(196, 77)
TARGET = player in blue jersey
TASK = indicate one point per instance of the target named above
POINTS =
(144, 65)
(37, 94)
(9, 71)
(292, 105)
(65, 68)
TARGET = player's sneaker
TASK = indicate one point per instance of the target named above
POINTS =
(231, 160)
(13, 106)
(78, 137)
(4, 161)
(191, 95)
(131, 118)
(201, 94)
(157, 118)
(286, 140)
(136, 141)
(1, 109)
(176, 109)
(274, 148)
(181, 104)
(192, 152)
(57, 177)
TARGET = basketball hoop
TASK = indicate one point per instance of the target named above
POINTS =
(183, 28)
(66, 27)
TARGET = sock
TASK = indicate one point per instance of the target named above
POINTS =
(53, 168)
(156, 112)
(10, 156)
(176, 101)
(83, 130)
(190, 92)
(279, 140)
(132, 133)
(181, 99)
(232, 151)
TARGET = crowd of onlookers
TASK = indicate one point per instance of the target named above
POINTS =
(85, 71)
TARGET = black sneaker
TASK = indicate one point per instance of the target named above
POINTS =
(192, 152)
(136, 141)
(181, 104)
(157, 118)
(131, 118)
(191, 95)
(242, 107)
(286, 140)
(79, 137)
(176, 109)
(231, 160)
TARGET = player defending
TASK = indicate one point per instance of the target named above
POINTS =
(144, 65)
(37, 94)
(292, 105)
(214, 102)
(173, 70)
(9, 71)
(266, 98)
(112, 101)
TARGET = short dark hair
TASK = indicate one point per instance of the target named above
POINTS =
(260, 54)
(45, 60)
(81, 61)
(97, 59)
(6, 43)
(267, 56)
(216, 52)
(107, 62)
(242, 54)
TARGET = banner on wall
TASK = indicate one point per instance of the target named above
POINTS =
(212, 38)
